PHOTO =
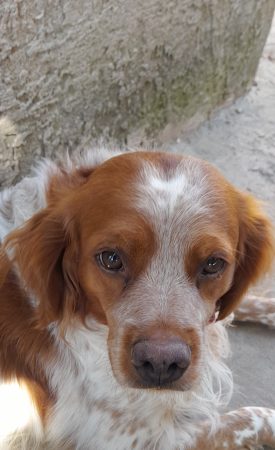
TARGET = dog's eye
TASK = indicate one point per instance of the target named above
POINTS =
(213, 266)
(110, 260)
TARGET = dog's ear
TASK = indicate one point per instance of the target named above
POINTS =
(45, 251)
(254, 254)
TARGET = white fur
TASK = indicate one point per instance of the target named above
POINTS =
(186, 186)
(248, 433)
(165, 420)
(258, 419)
(20, 424)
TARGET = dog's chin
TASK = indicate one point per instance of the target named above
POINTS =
(167, 387)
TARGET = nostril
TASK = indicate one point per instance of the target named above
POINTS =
(172, 368)
(148, 367)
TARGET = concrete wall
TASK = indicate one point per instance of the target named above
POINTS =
(73, 70)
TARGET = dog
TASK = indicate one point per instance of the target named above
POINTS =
(118, 274)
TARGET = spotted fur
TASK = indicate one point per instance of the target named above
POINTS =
(75, 338)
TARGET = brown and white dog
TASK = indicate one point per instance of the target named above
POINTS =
(116, 273)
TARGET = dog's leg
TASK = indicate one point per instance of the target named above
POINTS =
(245, 428)
(256, 309)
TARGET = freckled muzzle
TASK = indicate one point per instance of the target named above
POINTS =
(159, 362)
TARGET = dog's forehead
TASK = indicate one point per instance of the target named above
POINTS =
(184, 191)
(171, 192)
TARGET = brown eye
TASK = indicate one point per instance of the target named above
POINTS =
(213, 266)
(110, 260)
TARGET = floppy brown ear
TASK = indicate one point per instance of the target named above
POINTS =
(255, 252)
(45, 250)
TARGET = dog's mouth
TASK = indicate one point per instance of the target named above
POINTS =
(163, 387)
(214, 317)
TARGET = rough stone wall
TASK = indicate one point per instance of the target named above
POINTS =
(71, 71)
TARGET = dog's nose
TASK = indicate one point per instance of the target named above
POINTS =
(159, 362)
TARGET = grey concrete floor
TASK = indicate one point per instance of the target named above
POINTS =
(240, 141)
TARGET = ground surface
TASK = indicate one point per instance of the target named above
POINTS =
(240, 140)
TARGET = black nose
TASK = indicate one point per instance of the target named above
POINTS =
(160, 361)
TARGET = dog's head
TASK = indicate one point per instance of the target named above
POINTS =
(151, 245)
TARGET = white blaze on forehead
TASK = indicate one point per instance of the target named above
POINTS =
(168, 190)
(184, 189)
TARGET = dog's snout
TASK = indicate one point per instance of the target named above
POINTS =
(159, 362)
